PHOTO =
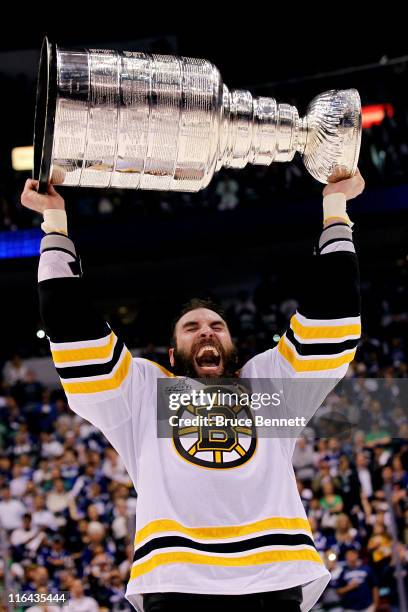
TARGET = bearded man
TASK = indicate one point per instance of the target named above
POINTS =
(218, 528)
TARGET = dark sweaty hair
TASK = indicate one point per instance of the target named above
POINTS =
(193, 304)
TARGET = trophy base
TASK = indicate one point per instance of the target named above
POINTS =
(46, 99)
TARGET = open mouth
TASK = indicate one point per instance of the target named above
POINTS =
(208, 357)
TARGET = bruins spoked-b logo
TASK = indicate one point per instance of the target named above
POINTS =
(214, 430)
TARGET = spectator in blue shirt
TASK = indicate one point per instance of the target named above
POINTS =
(357, 585)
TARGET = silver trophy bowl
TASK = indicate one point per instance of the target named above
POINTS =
(137, 121)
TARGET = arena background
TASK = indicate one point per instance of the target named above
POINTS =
(242, 240)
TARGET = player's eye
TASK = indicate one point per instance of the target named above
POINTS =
(190, 327)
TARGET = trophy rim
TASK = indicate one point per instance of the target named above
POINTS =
(44, 120)
(359, 128)
(358, 118)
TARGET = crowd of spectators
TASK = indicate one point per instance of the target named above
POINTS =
(67, 506)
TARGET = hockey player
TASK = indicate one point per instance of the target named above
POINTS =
(208, 537)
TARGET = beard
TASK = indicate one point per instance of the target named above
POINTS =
(184, 364)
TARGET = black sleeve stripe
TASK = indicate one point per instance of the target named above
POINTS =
(323, 348)
(96, 369)
(59, 249)
(330, 286)
(67, 312)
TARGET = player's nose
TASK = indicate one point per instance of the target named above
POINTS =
(206, 332)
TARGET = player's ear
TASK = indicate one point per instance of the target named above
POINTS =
(171, 356)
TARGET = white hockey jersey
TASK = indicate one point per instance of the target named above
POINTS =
(204, 526)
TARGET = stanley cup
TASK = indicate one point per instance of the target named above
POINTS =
(138, 121)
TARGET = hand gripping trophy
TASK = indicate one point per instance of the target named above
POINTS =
(138, 121)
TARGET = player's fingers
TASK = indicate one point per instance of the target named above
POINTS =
(30, 185)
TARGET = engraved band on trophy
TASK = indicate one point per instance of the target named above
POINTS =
(139, 121)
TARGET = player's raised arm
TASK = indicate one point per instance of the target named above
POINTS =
(314, 353)
(324, 332)
(94, 365)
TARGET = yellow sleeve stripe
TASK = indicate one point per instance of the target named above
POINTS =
(271, 556)
(103, 384)
(217, 533)
(309, 365)
(84, 354)
(335, 331)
